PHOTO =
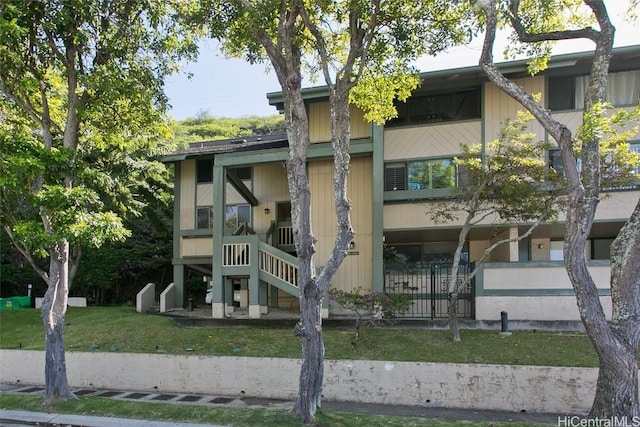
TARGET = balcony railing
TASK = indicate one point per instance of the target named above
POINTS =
(246, 255)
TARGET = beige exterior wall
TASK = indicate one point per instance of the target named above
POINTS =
(546, 279)
(356, 269)
(269, 186)
(287, 302)
(187, 195)
(499, 106)
(431, 140)
(617, 205)
(544, 308)
(414, 215)
(204, 194)
(320, 126)
(543, 277)
(504, 252)
(573, 120)
(196, 246)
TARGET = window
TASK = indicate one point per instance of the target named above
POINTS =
(422, 255)
(204, 217)
(236, 215)
(429, 174)
(555, 162)
(635, 148)
(567, 93)
(204, 171)
(462, 104)
(420, 175)
(556, 250)
(562, 93)
(395, 177)
(601, 248)
(243, 173)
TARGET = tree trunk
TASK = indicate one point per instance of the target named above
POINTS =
(453, 316)
(309, 329)
(617, 389)
(54, 308)
(454, 284)
(616, 343)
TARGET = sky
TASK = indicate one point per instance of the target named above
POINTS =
(231, 87)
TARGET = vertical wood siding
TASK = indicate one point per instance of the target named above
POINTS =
(356, 269)
(499, 106)
(187, 195)
(320, 126)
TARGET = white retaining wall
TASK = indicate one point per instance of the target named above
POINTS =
(167, 298)
(146, 298)
(473, 386)
(71, 302)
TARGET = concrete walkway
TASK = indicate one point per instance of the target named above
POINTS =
(11, 418)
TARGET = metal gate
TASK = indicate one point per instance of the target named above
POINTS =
(428, 290)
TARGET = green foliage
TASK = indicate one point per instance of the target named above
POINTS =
(395, 33)
(83, 117)
(15, 273)
(508, 176)
(205, 128)
(541, 17)
(115, 272)
(376, 308)
(613, 129)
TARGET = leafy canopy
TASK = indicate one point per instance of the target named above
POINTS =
(395, 33)
(83, 112)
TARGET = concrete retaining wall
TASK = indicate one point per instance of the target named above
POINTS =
(146, 298)
(510, 388)
(167, 298)
(71, 302)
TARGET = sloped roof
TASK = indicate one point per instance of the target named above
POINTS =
(249, 143)
(623, 57)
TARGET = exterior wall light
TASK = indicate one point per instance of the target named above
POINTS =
(266, 210)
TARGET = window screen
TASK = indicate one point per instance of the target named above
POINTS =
(395, 177)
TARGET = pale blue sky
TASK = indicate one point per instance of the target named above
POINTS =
(231, 87)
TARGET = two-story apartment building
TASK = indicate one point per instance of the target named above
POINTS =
(232, 212)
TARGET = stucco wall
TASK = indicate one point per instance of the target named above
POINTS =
(511, 388)
(539, 307)
(533, 291)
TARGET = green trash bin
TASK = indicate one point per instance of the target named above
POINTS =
(15, 303)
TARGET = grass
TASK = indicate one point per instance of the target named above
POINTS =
(122, 329)
(95, 406)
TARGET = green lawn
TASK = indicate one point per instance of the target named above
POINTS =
(236, 417)
(122, 329)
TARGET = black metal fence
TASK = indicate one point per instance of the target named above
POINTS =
(428, 290)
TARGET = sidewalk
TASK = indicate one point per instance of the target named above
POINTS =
(7, 416)
(10, 418)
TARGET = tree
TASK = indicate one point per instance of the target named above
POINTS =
(505, 183)
(616, 342)
(351, 45)
(204, 128)
(81, 104)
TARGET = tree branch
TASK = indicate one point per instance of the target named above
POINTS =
(26, 254)
(558, 131)
(527, 37)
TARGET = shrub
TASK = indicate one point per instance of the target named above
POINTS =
(375, 308)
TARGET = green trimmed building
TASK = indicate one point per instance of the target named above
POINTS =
(232, 225)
